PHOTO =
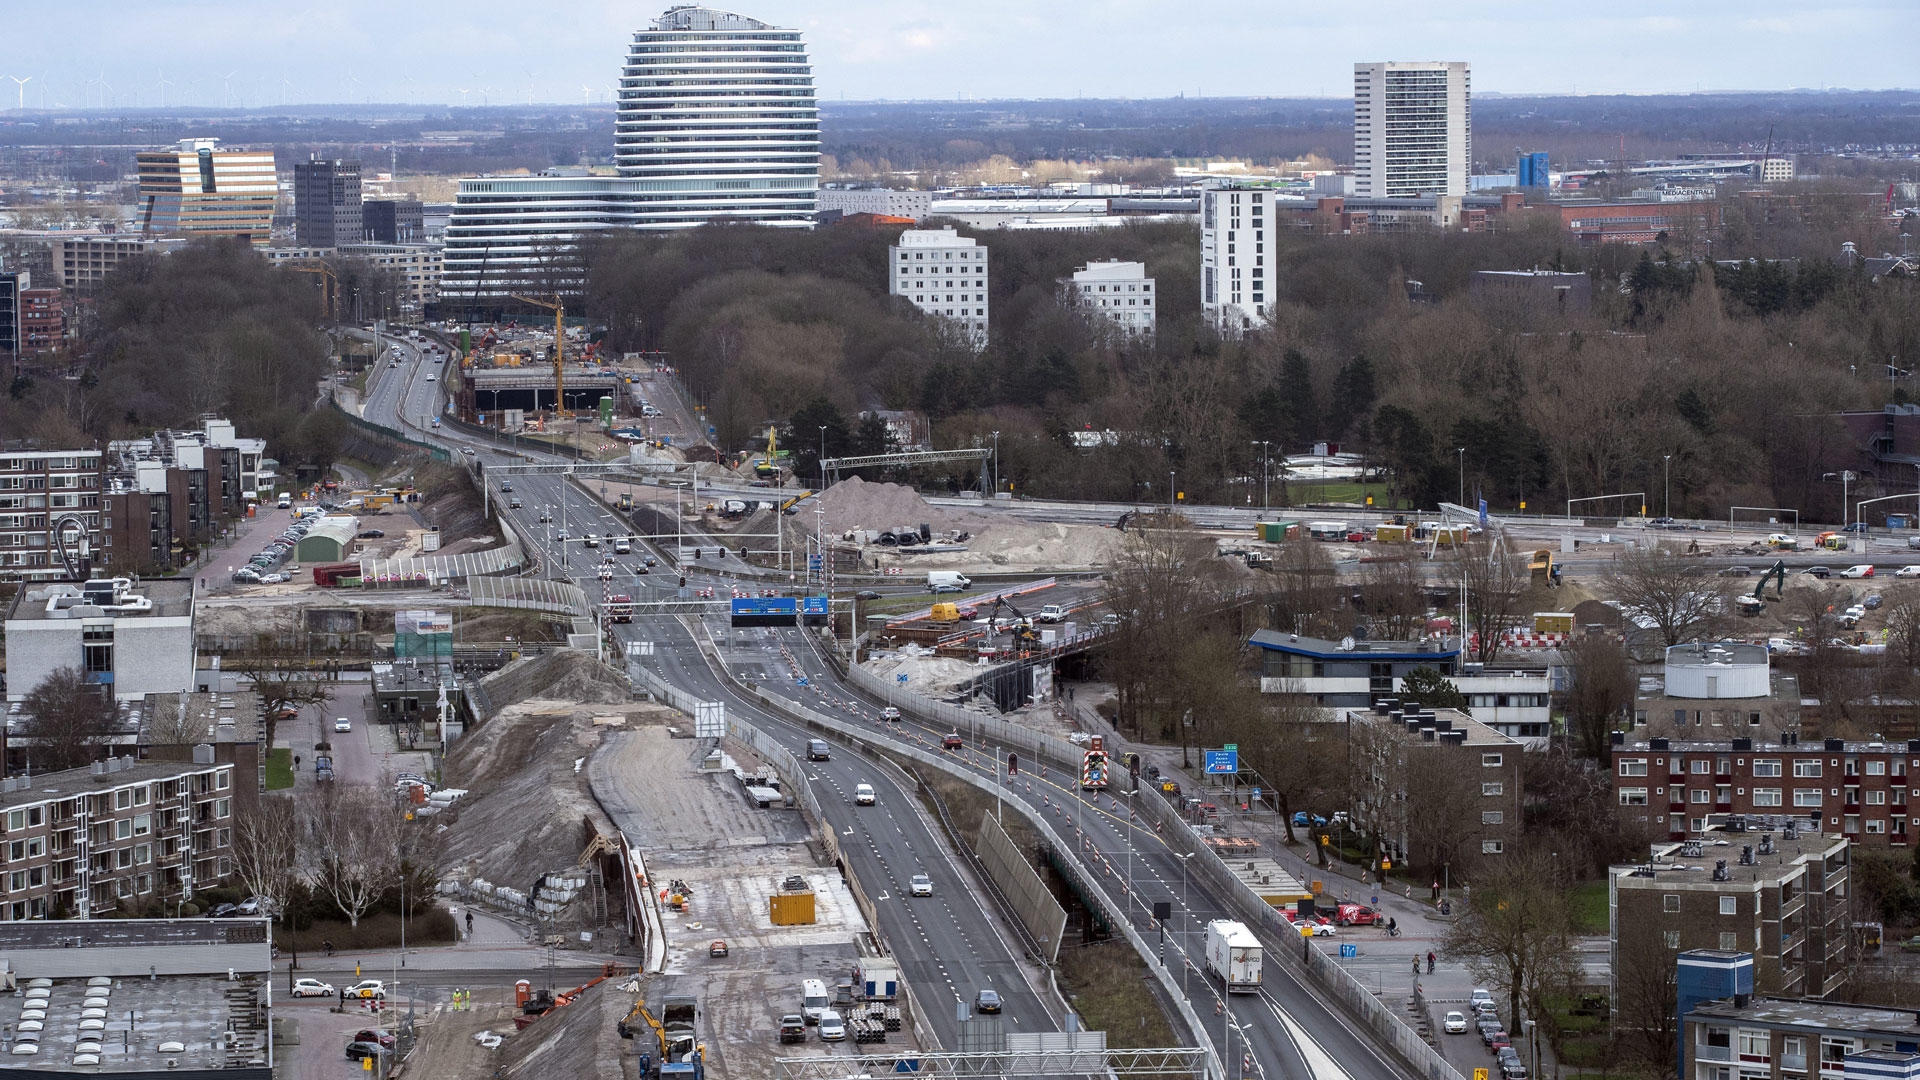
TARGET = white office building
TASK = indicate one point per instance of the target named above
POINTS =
(1412, 128)
(716, 123)
(884, 202)
(1118, 291)
(1235, 233)
(944, 274)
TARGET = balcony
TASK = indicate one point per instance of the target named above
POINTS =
(1713, 1053)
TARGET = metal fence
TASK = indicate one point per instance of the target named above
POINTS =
(437, 453)
(530, 594)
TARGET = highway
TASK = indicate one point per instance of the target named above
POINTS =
(950, 946)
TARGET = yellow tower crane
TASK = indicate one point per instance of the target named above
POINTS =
(559, 351)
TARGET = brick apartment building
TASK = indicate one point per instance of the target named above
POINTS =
(38, 489)
(86, 842)
(43, 321)
(1634, 221)
(1390, 746)
(1781, 893)
(1857, 790)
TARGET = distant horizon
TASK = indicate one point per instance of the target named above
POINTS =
(14, 114)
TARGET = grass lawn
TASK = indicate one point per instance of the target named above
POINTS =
(279, 768)
(1302, 494)
(1590, 907)
(1107, 985)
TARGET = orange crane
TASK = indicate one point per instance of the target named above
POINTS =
(330, 285)
(559, 339)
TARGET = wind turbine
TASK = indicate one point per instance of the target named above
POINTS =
(285, 86)
(163, 84)
(483, 96)
(21, 85)
(588, 90)
(226, 90)
(529, 87)
(463, 97)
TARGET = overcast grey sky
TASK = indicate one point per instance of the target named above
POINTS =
(117, 52)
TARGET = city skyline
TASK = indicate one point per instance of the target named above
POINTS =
(230, 55)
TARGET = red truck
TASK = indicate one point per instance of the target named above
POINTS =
(1357, 915)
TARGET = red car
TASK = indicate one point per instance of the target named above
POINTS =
(374, 1035)
(1497, 1040)
(1356, 915)
(952, 742)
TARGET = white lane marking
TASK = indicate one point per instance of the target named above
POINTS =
(1320, 1064)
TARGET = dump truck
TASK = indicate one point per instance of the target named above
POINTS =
(1234, 954)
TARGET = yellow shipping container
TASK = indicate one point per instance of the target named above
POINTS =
(791, 909)
(1553, 622)
(1390, 534)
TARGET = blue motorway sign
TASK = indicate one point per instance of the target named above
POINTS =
(1222, 762)
(1348, 952)
(766, 605)
(813, 605)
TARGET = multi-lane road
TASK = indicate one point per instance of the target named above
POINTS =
(950, 945)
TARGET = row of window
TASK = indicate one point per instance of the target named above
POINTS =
(1761, 796)
(1802, 767)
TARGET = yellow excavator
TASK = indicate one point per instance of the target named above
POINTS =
(676, 1053)
(767, 468)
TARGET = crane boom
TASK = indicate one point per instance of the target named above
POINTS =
(559, 352)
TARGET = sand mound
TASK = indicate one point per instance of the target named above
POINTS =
(856, 504)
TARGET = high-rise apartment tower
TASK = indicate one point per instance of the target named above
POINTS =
(1412, 128)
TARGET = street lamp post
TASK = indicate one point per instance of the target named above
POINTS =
(1462, 451)
(1265, 470)
(823, 457)
(1170, 476)
(996, 463)
(1667, 460)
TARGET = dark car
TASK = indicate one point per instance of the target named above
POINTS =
(506, 485)
(357, 1051)
(793, 1028)
(1661, 523)
(224, 911)
(1819, 571)
(986, 1001)
(1735, 571)
(817, 750)
(866, 594)
(374, 1035)
(372, 534)
(1854, 527)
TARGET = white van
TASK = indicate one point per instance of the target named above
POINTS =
(939, 581)
(286, 500)
(622, 546)
(813, 1000)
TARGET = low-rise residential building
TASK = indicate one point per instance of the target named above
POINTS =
(120, 833)
(1717, 690)
(1120, 292)
(1768, 885)
(1516, 702)
(81, 263)
(133, 641)
(942, 273)
(1349, 673)
(1857, 790)
(1784, 1038)
(1400, 754)
(416, 266)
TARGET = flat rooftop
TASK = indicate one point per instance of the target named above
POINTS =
(1301, 645)
(1670, 864)
(171, 598)
(148, 1025)
(1478, 734)
(116, 772)
(1807, 1013)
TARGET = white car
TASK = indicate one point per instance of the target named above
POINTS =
(341, 723)
(863, 794)
(890, 714)
(832, 1028)
(368, 988)
(1051, 613)
(1456, 1023)
(431, 377)
(920, 885)
(1480, 994)
(312, 988)
(1908, 571)
(1861, 571)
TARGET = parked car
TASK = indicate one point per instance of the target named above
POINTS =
(375, 1035)
(1819, 571)
(1735, 571)
(1860, 571)
(1356, 915)
(1479, 995)
(224, 911)
(312, 988)
(1908, 571)
(1499, 1039)
(1872, 601)
(1512, 1069)
(372, 534)
(832, 1028)
(1302, 820)
(357, 1051)
(793, 1028)
(1456, 1023)
(986, 1001)
(920, 885)
(717, 949)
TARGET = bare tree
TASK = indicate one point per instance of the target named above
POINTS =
(1305, 588)
(266, 856)
(1680, 597)
(1157, 586)
(1517, 932)
(1494, 579)
(1444, 804)
(353, 834)
(1600, 691)
(1393, 594)
(281, 676)
(67, 719)
(1646, 995)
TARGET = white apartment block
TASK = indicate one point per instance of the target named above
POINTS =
(884, 202)
(415, 266)
(944, 274)
(1412, 128)
(1119, 291)
(1236, 224)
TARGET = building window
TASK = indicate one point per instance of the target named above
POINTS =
(1766, 766)
(1806, 767)
(1492, 847)
(1875, 825)
(1633, 767)
(1491, 817)
(1633, 796)
(1702, 766)
(1729, 905)
(1876, 768)
(1702, 795)
(1756, 1043)
(1806, 796)
(1491, 761)
(1670, 902)
(1876, 798)
(1729, 941)
(1766, 796)
(1671, 938)
(1493, 787)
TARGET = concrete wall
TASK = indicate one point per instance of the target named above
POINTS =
(152, 656)
(1046, 920)
(131, 961)
(34, 649)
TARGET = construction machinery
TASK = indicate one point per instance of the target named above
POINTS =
(675, 1051)
(1020, 626)
(330, 284)
(1778, 572)
(768, 467)
(559, 350)
(535, 1004)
